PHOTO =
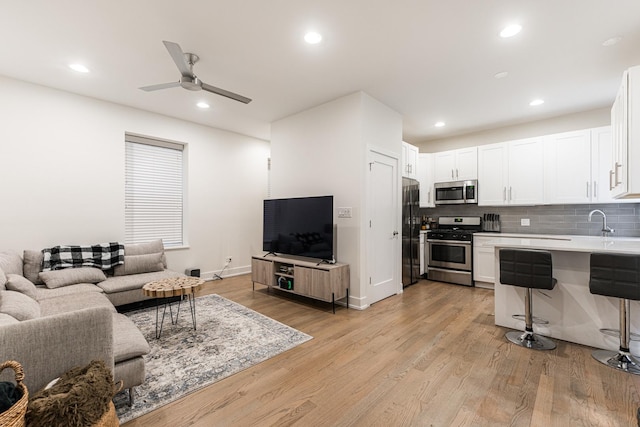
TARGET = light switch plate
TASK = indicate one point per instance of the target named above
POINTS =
(344, 212)
(525, 222)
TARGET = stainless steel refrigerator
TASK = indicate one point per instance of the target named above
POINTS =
(410, 231)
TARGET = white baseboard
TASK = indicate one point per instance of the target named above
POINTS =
(227, 272)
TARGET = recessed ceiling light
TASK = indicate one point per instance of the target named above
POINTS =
(501, 75)
(312, 37)
(611, 41)
(536, 102)
(510, 30)
(202, 104)
(439, 124)
(79, 68)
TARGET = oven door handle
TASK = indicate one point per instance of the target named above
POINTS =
(456, 242)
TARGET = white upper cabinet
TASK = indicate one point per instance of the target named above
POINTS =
(567, 167)
(493, 174)
(456, 165)
(625, 132)
(425, 177)
(409, 160)
(511, 173)
(601, 151)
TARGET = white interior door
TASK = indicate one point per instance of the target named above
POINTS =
(383, 234)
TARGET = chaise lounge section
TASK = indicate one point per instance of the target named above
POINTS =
(69, 317)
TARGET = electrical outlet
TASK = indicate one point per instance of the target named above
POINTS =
(228, 260)
(525, 222)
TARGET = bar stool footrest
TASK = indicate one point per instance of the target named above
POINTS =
(536, 320)
(616, 334)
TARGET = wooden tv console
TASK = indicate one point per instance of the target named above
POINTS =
(325, 282)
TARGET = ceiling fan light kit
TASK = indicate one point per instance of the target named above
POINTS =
(188, 80)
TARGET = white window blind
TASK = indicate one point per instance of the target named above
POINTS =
(154, 191)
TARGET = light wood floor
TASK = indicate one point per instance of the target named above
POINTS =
(429, 357)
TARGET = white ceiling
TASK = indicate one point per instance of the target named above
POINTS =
(429, 60)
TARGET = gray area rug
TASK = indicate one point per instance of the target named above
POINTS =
(229, 338)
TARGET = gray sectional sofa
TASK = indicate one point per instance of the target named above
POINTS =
(55, 320)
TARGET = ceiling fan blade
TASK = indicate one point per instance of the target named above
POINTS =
(226, 93)
(178, 57)
(160, 86)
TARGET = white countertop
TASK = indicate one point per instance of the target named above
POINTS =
(629, 245)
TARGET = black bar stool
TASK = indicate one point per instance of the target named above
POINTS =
(530, 269)
(617, 275)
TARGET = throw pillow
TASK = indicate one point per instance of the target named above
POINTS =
(19, 305)
(33, 265)
(16, 282)
(10, 262)
(71, 276)
(135, 264)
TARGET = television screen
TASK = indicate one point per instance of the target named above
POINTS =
(300, 226)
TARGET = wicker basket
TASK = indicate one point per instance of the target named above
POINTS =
(14, 416)
(109, 419)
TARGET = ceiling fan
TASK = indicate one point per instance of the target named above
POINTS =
(188, 80)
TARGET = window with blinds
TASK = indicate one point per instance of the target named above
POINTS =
(154, 191)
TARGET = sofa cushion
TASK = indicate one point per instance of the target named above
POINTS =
(6, 319)
(3, 280)
(65, 304)
(42, 292)
(32, 265)
(18, 283)
(135, 264)
(11, 263)
(19, 305)
(134, 281)
(128, 341)
(71, 276)
(155, 246)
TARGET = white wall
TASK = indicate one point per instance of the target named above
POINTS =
(62, 175)
(566, 123)
(323, 151)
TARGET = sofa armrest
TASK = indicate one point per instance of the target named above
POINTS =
(49, 346)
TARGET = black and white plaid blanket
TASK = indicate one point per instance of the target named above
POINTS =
(103, 256)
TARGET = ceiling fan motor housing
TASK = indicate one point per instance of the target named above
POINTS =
(191, 83)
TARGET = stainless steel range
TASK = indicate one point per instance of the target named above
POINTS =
(450, 249)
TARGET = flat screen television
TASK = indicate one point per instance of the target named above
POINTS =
(301, 226)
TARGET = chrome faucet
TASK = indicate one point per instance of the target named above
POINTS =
(605, 229)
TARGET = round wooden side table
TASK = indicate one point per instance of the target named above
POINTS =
(165, 289)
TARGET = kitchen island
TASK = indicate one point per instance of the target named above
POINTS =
(574, 314)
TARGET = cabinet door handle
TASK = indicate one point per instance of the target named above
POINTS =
(429, 196)
(452, 174)
(457, 173)
(595, 189)
(611, 180)
(504, 194)
(510, 193)
(618, 166)
(587, 189)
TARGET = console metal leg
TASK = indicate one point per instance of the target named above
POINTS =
(333, 302)
(131, 397)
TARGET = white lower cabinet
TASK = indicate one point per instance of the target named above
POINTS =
(483, 263)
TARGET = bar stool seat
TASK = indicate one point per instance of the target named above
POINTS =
(529, 269)
(617, 275)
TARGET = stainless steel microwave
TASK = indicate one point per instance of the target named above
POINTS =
(456, 192)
